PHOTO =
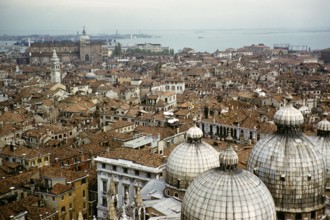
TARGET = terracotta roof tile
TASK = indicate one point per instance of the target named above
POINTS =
(53, 172)
(59, 188)
(144, 157)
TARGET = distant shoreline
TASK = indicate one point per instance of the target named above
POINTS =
(208, 40)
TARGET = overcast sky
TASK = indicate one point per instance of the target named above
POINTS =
(105, 16)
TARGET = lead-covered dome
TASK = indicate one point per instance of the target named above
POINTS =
(322, 142)
(226, 192)
(189, 159)
(194, 132)
(290, 166)
(288, 115)
(324, 125)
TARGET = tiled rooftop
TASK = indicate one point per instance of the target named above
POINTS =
(53, 172)
(143, 157)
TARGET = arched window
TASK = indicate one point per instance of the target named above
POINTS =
(280, 216)
(298, 216)
(87, 58)
(313, 215)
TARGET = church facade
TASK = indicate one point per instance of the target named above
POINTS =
(67, 51)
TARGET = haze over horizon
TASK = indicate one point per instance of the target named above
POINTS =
(105, 16)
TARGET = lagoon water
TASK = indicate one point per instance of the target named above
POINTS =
(221, 39)
(212, 40)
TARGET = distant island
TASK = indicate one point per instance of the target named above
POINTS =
(23, 39)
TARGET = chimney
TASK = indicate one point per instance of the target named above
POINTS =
(12, 188)
(48, 132)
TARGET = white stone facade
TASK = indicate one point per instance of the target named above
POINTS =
(126, 175)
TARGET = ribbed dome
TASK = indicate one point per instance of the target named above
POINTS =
(189, 159)
(289, 164)
(226, 192)
(324, 125)
(288, 115)
(322, 143)
(228, 157)
(194, 132)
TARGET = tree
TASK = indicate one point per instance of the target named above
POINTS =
(117, 51)
(158, 67)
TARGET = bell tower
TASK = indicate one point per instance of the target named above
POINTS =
(55, 72)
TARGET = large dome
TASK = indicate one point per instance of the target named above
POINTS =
(291, 167)
(322, 142)
(227, 192)
(189, 159)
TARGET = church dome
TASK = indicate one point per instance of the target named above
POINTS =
(195, 132)
(228, 157)
(90, 76)
(289, 163)
(226, 192)
(324, 125)
(189, 159)
(84, 37)
(288, 115)
(322, 142)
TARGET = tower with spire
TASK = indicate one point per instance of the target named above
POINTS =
(55, 72)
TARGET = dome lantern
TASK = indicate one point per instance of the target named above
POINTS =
(194, 134)
(288, 119)
(323, 127)
(228, 158)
